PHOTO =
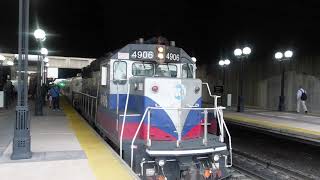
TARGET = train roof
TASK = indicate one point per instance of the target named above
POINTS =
(128, 53)
(150, 45)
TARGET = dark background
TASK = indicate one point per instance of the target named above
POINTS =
(208, 30)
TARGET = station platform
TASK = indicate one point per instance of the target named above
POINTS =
(297, 126)
(63, 147)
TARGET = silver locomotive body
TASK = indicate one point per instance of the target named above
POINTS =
(148, 104)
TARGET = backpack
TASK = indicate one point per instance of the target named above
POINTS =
(303, 96)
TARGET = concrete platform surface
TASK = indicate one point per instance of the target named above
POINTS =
(63, 147)
(297, 125)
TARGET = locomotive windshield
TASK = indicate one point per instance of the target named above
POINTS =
(187, 71)
(150, 70)
(142, 69)
(166, 70)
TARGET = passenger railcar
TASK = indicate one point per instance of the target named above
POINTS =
(149, 104)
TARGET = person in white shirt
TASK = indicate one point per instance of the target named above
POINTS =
(301, 99)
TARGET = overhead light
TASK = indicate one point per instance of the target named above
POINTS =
(278, 55)
(227, 62)
(246, 51)
(39, 34)
(221, 62)
(44, 51)
(194, 59)
(2, 58)
(288, 54)
(237, 52)
(10, 63)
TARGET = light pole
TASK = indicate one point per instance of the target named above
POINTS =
(241, 54)
(224, 64)
(45, 69)
(2, 59)
(40, 36)
(22, 140)
(279, 57)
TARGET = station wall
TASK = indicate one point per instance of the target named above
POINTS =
(262, 82)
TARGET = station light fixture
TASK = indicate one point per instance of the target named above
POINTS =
(288, 54)
(47, 65)
(278, 55)
(241, 54)
(10, 63)
(237, 52)
(44, 51)
(2, 58)
(282, 57)
(246, 51)
(221, 62)
(40, 35)
(225, 62)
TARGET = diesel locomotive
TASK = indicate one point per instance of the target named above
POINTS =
(146, 100)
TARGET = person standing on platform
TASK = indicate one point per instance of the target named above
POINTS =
(301, 99)
(55, 93)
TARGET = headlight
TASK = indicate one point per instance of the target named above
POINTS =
(160, 49)
(160, 56)
(216, 157)
(161, 162)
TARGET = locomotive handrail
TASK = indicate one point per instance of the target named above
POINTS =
(87, 103)
(147, 110)
(124, 119)
(220, 112)
(212, 95)
(85, 94)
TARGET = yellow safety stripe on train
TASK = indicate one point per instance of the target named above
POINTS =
(274, 126)
(102, 160)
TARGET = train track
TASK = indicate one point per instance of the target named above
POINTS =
(256, 168)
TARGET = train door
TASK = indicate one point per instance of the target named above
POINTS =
(118, 89)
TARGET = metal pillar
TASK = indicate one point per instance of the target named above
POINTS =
(38, 103)
(282, 97)
(22, 139)
(240, 106)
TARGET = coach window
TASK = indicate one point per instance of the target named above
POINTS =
(120, 72)
(187, 71)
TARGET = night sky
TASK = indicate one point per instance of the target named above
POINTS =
(208, 30)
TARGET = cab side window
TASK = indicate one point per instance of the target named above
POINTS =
(120, 72)
(187, 71)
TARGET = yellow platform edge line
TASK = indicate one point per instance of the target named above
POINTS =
(265, 123)
(101, 158)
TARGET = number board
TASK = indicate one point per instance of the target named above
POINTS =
(142, 54)
(172, 55)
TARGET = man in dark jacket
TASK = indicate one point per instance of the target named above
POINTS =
(55, 93)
